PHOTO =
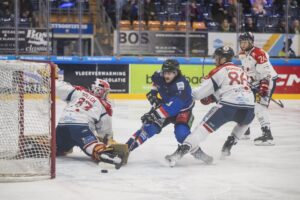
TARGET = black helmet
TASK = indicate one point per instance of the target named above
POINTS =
(170, 65)
(224, 52)
(246, 36)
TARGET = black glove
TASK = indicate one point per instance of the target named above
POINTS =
(153, 99)
(152, 117)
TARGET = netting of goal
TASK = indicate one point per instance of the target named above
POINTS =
(27, 121)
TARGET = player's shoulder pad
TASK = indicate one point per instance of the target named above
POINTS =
(181, 83)
(107, 105)
(259, 55)
(215, 70)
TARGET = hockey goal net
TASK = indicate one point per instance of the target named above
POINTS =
(27, 121)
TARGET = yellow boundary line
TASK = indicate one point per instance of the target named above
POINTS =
(286, 96)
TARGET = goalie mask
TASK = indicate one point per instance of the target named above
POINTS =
(101, 88)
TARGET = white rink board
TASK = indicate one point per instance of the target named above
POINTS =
(251, 173)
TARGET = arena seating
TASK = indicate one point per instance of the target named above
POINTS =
(169, 12)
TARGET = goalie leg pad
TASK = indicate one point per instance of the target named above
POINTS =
(122, 151)
(98, 149)
(115, 154)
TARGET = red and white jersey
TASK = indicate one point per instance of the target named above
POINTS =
(257, 65)
(83, 107)
(228, 83)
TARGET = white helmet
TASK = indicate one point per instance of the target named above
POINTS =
(101, 88)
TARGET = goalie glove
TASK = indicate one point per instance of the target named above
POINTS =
(263, 87)
(153, 99)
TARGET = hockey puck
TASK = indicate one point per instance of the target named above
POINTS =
(104, 171)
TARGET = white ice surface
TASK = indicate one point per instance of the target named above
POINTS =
(250, 173)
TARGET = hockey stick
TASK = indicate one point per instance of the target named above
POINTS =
(279, 103)
(137, 135)
(153, 107)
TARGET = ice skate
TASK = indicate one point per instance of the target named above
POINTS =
(201, 155)
(177, 155)
(266, 139)
(227, 147)
(246, 135)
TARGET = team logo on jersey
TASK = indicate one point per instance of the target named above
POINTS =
(180, 85)
(170, 103)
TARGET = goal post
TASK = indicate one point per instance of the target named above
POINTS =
(27, 121)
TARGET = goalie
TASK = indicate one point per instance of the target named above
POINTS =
(88, 112)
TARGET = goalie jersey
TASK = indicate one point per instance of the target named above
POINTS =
(84, 108)
(228, 83)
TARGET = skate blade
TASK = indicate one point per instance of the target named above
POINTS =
(245, 137)
(267, 143)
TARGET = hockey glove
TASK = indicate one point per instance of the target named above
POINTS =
(153, 99)
(208, 100)
(263, 87)
(152, 117)
(109, 154)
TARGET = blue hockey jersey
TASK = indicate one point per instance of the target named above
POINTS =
(176, 96)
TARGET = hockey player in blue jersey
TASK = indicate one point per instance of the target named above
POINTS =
(174, 106)
(227, 86)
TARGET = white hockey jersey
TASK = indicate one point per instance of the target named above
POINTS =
(228, 83)
(257, 65)
(84, 108)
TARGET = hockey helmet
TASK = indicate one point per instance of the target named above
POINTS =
(101, 88)
(247, 36)
(170, 65)
(224, 52)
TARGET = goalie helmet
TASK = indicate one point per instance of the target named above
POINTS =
(224, 52)
(101, 88)
(170, 65)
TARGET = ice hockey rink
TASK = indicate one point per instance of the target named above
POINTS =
(250, 173)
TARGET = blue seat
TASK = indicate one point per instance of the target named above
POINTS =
(162, 16)
(271, 29)
(261, 21)
(274, 19)
(212, 26)
(175, 17)
(157, 7)
(293, 11)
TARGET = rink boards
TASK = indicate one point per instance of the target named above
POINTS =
(130, 77)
